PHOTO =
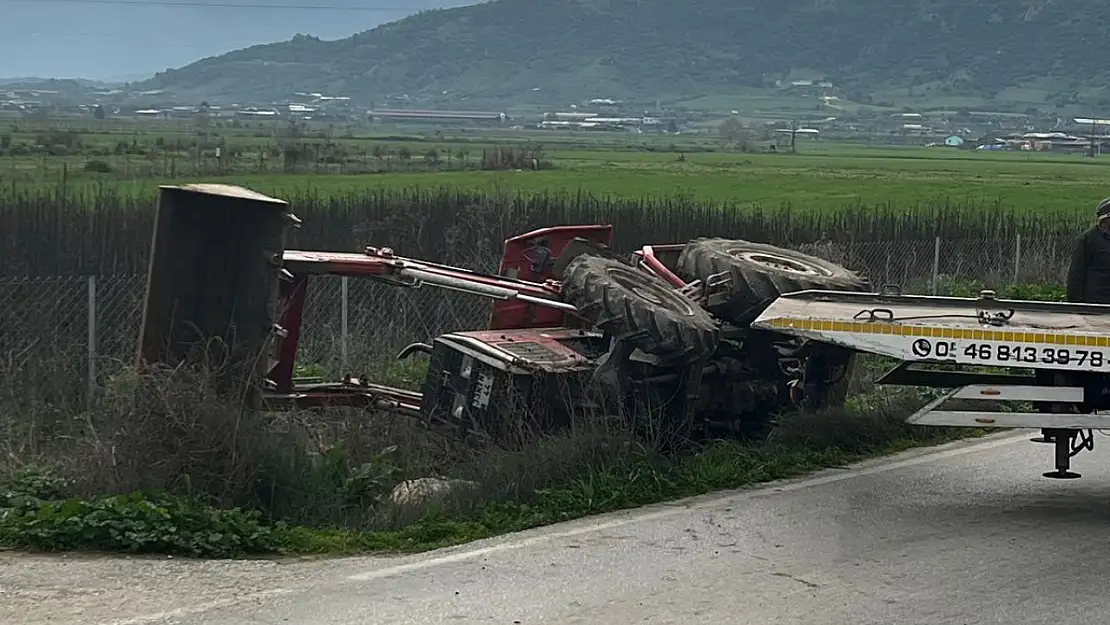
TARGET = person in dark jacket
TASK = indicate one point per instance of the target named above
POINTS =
(1089, 271)
(1088, 282)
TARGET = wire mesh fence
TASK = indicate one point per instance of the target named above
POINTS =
(355, 330)
(924, 266)
(61, 336)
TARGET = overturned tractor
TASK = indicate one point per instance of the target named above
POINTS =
(713, 333)
(574, 327)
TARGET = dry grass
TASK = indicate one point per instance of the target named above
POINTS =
(169, 430)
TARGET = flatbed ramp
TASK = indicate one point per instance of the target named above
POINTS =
(1064, 347)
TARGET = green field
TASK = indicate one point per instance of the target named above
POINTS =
(821, 181)
(809, 181)
(821, 176)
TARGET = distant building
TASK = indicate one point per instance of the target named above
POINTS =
(429, 116)
(256, 113)
(953, 141)
(807, 87)
(801, 132)
(574, 116)
(1042, 141)
(593, 121)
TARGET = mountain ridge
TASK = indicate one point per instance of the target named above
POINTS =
(516, 50)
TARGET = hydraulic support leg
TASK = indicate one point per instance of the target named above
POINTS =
(1063, 442)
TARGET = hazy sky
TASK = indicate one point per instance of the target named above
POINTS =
(132, 39)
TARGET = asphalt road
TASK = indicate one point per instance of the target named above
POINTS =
(968, 533)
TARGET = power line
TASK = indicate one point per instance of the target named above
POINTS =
(230, 5)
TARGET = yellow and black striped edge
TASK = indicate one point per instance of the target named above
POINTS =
(939, 332)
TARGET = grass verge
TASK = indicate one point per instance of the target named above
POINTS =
(564, 477)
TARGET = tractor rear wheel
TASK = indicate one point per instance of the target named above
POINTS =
(760, 274)
(622, 300)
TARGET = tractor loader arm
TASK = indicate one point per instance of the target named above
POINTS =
(382, 265)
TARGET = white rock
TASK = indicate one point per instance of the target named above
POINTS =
(427, 489)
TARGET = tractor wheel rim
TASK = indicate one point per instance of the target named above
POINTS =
(780, 263)
(648, 295)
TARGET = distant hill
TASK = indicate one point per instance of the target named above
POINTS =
(60, 84)
(119, 39)
(552, 50)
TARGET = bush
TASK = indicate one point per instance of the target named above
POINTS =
(34, 515)
(169, 430)
(65, 140)
(98, 166)
(1045, 292)
(511, 157)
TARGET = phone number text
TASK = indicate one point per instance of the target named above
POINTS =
(1001, 352)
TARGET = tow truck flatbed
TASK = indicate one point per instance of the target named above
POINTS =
(971, 331)
(1066, 345)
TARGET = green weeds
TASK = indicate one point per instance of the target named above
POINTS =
(39, 511)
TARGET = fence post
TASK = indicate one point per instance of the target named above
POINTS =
(343, 326)
(91, 340)
(936, 264)
(1017, 258)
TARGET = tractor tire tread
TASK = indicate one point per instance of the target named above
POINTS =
(678, 328)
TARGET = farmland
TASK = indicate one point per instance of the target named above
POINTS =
(75, 243)
(821, 182)
(821, 176)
